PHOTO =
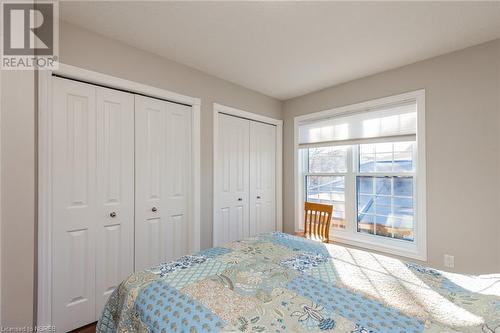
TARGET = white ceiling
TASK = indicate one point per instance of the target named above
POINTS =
(286, 49)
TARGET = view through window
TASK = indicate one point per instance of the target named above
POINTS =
(382, 179)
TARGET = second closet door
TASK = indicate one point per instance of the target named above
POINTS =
(262, 178)
(233, 158)
(246, 179)
(115, 192)
(163, 168)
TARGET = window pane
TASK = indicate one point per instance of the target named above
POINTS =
(367, 162)
(386, 157)
(328, 159)
(403, 206)
(384, 211)
(383, 162)
(367, 149)
(383, 226)
(366, 223)
(405, 227)
(384, 147)
(367, 208)
(402, 162)
(403, 146)
(364, 199)
(328, 190)
(388, 210)
(383, 200)
(338, 220)
(365, 185)
(403, 186)
(383, 185)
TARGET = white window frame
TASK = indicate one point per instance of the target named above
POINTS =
(414, 250)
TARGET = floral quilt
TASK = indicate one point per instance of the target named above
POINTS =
(281, 283)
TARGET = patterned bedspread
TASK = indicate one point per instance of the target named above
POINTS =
(282, 283)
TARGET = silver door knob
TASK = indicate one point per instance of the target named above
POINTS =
(154, 209)
(240, 199)
(112, 214)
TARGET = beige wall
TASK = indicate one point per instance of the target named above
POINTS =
(82, 48)
(498, 105)
(17, 197)
(462, 148)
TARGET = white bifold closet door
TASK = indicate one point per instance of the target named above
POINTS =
(163, 151)
(246, 167)
(233, 168)
(262, 178)
(92, 195)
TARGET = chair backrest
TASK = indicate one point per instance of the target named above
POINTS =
(317, 219)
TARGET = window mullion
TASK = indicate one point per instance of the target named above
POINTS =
(350, 194)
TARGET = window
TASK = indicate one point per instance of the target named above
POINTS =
(366, 162)
(386, 157)
(325, 180)
(384, 190)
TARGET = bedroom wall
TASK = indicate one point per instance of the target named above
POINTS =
(462, 148)
(462, 88)
(17, 165)
(498, 186)
(82, 48)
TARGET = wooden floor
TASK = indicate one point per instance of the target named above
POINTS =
(85, 329)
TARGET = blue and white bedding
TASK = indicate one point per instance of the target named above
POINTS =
(281, 283)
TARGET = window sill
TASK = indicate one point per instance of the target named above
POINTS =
(390, 246)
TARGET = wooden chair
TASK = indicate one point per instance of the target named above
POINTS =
(317, 219)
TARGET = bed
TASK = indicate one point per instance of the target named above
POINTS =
(281, 283)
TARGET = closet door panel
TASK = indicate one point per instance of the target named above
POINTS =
(178, 178)
(115, 192)
(233, 177)
(150, 133)
(262, 178)
(163, 173)
(74, 203)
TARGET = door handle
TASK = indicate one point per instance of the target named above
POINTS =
(240, 199)
(112, 214)
(258, 197)
(154, 209)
